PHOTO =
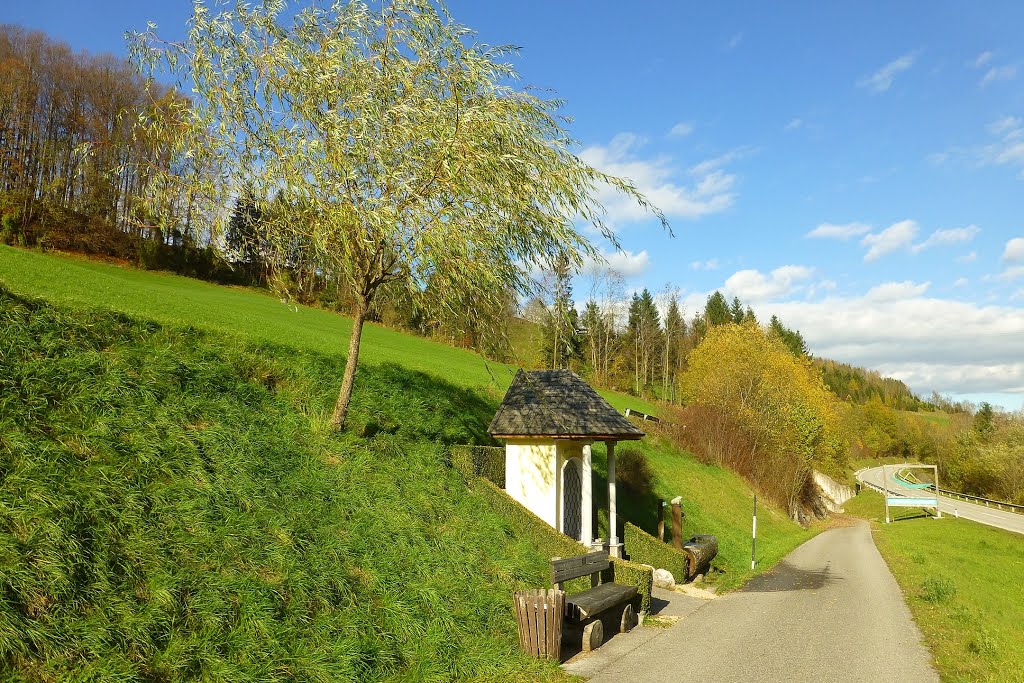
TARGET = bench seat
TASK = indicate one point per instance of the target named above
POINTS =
(582, 606)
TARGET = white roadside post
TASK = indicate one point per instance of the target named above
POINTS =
(885, 487)
(753, 538)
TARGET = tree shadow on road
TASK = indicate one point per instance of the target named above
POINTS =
(787, 577)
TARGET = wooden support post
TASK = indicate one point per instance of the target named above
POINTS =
(677, 522)
(661, 520)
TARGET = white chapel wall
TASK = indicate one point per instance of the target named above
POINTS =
(532, 477)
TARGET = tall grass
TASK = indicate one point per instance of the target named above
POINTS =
(173, 506)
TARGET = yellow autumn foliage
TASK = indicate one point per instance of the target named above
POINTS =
(791, 418)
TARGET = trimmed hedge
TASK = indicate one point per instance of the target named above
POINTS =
(646, 549)
(555, 544)
(632, 574)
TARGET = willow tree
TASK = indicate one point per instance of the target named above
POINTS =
(406, 157)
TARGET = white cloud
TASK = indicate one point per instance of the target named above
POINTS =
(839, 231)
(999, 73)
(624, 262)
(947, 237)
(882, 80)
(933, 344)
(793, 124)
(699, 191)
(1007, 149)
(982, 59)
(1007, 124)
(714, 163)
(1014, 250)
(734, 41)
(969, 257)
(753, 285)
(681, 129)
(710, 264)
(896, 236)
(961, 282)
(896, 291)
(1012, 273)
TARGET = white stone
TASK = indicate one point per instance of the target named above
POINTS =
(663, 578)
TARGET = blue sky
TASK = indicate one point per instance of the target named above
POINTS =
(856, 168)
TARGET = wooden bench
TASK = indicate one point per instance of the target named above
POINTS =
(585, 609)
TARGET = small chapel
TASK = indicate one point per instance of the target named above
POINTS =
(549, 419)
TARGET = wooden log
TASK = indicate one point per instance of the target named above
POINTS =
(700, 550)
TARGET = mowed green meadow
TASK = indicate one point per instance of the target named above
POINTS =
(964, 583)
(254, 314)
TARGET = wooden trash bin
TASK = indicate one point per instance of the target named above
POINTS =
(540, 614)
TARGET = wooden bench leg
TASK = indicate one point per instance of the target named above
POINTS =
(628, 619)
(593, 635)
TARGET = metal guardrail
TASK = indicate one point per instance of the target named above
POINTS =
(987, 502)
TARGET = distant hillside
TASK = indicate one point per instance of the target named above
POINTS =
(859, 385)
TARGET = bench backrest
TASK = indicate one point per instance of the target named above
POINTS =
(591, 564)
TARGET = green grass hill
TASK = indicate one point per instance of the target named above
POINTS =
(175, 506)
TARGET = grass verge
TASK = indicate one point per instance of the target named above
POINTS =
(964, 583)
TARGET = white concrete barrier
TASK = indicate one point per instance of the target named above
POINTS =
(833, 493)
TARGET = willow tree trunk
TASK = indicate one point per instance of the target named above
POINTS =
(345, 395)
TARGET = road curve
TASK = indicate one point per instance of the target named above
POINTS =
(831, 611)
(1001, 519)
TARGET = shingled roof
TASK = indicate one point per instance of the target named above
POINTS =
(557, 403)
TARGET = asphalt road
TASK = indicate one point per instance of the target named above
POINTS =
(1002, 519)
(829, 612)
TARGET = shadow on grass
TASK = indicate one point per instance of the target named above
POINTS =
(919, 514)
(639, 507)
